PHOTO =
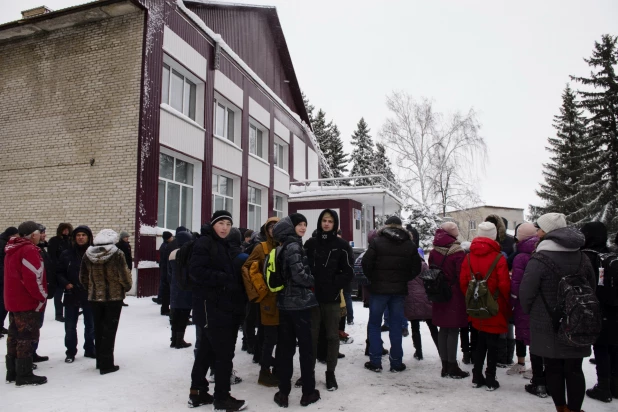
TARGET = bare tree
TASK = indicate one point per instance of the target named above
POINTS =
(436, 154)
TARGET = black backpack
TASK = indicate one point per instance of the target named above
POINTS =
(577, 317)
(438, 289)
(607, 287)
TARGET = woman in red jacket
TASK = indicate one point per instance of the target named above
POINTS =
(483, 252)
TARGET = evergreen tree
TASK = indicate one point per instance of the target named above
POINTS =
(363, 153)
(571, 155)
(601, 102)
(382, 164)
(426, 222)
(308, 107)
(322, 131)
(336, 157)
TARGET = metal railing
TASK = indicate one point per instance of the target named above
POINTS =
(375, 180)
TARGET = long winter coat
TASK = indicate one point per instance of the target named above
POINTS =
(59, 243)
(297, 293)
(25, 281)
(218, 294)
(521, 319)
(126, 249)
(177, 275)
(417, 305)
(483, 251)
(391, 261)
(331, 260)
(50, 270)
(562, 247)
(253, 278)
(451, 314)
(104, 274)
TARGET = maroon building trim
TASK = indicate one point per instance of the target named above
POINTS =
(209, 143)
(244, 145)
(345, 206)
(291, 157)
(306, 161)
(271, 160)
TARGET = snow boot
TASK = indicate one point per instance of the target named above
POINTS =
(399, 368)
(331, 381)
(11, 372)
(536, 389)
(384, 328)
(267, 379)
(180, 341)
(229, 404)
(405, 332)
(198, 397)
(313, 397)
(478, 381)
(614, 387)
(491, 383)
(24, 375)
(282, 400)
(454, 372)
(467, 359)
(372, 367)
(444, 371)
(114, 368)
(418, 355)
(593, 361)
(299, 383)
(36, 358)
(601, 391)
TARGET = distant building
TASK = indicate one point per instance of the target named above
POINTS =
(469, 219)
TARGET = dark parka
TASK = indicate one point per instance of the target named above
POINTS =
(331, 260)
(218, 293)
(126, 249)
(59, 243)
(562, 247)
(67, 270)
(297, 293)
(49, 269)
(391, 261)
(4, 239)
(176, 274)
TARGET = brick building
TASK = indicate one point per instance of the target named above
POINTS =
(469, 219)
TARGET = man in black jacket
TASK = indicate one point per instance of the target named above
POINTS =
(55, 247)
(331, 260)
(164, 286)
(4, 239)
(391, 261)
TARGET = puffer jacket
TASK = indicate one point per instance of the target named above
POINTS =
(331, 260)
(297, 293)
(104, 274)
(417, 305)
(179, 298)
(391, 261)
(253, 278)
(521, 319)
(67, 271)
(60, 242)
(483, 251)
(562, 247)
(25, 281)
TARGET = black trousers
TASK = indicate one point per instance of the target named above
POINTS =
(487, 345)
(164, 292)
(538, 371)
(106, 316)
(566, 373)
(178, 321)
(270, 337)
(607, 361)
(468, 337)
(416, 334)
(3, 311)
(58, 301)
(252, 320)
(520, 348)
(295, 325)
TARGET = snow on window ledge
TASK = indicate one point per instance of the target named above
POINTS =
(147, 264)
(256, 157)
(228, 141)
(146, 230)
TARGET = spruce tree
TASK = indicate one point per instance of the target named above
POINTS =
(571, 155)
(601, 102)
(363, 153)
(382, 164)
(336, 158)
(308, 107)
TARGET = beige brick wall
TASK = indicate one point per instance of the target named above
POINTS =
(66, 97)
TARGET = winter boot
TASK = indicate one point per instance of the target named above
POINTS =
(267, 379)
(467, 360)
(11, 372)
(601, 391)
(478, 380)
(198, 397)
(444, 371)
(331, 381)
(491, 383)
(510, 351)
(282, 400)
(454, 372)
(372, 367)
(24, 373)
(418, 355)
(36, 358)
(180, 341)
(114, 368)
(399, 368)
(614, 387)
(313, 397)
(299, 383)
(405, 332)
(384, 328)
(229, 404)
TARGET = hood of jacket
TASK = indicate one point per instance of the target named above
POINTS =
(84, 229)
(566, 239)
(100, 254)
(595, 234)
(482, 246)
(443, 239)
(183, 237)
(63, 226)
(284, 229)
(395, 233)
(15, 244)
(270, 239)
(320, 234)
(497, 220)
(527, 246)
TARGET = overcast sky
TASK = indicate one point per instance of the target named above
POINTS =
(508, 60)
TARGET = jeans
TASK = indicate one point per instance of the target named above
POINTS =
(106, 316)
(404, 321)
(487, 344)
(70, 330)
(349, 306)
(566, 373)
(607, 361)
(295, 325)
(377, 305)
(329, 315)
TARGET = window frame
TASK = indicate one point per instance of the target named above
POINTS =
(281, 154)
(257, 208)
(228, 108)
(259, 135)
(225, 197)
(188, 222)
(278, 212)
(187, 80)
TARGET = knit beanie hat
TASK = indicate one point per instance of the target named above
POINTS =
(123, 234)
(297, 218)
(487, 229)
(167, 235)
(221, 215)
(105, 237)
(551, 221)
(10, 231)
(27, 228)
(393, 220)
(450, 228)
(525, 231)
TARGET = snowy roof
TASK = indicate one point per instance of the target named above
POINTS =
(375, 196)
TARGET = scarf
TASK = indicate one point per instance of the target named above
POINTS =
(447, 251)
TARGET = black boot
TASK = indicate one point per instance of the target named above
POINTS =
(491, 383)
(478, 380)
(601, 391)
(444, 371)
(11, 372)
(331, 381)
(229, 404)
(454, 372)
(180, 341)
(467, 359)
(313, 397)
(36, 358)
(282, 400)
(418, 355)
(613, 386)
(24, 373)
(536, 389)
(267, 379)
(199, 397)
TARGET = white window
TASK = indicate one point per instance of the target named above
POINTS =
(222, 193)
(281, 150)
(473, 225)
(254, 211)
(278, 206)
(224, 120)
(255, 140)
(178, 91)
(175, 201)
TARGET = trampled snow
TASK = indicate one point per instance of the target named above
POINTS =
(154, 377)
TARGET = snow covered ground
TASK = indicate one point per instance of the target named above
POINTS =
(153, 377)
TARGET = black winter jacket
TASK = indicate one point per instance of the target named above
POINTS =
(391, 261)
(126, 249)
(218, 293)
(57, 245)
(297, 293)
(4, 239)
(67, 271)
(331, 260)
(50, 270)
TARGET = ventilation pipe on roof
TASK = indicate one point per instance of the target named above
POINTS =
(37, 11)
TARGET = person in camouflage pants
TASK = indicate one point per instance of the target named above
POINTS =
(23, 333)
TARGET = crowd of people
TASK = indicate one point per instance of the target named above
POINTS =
(550, 290)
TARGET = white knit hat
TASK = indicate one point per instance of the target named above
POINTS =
(551, 221)
(106, 237)
(487, 229)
